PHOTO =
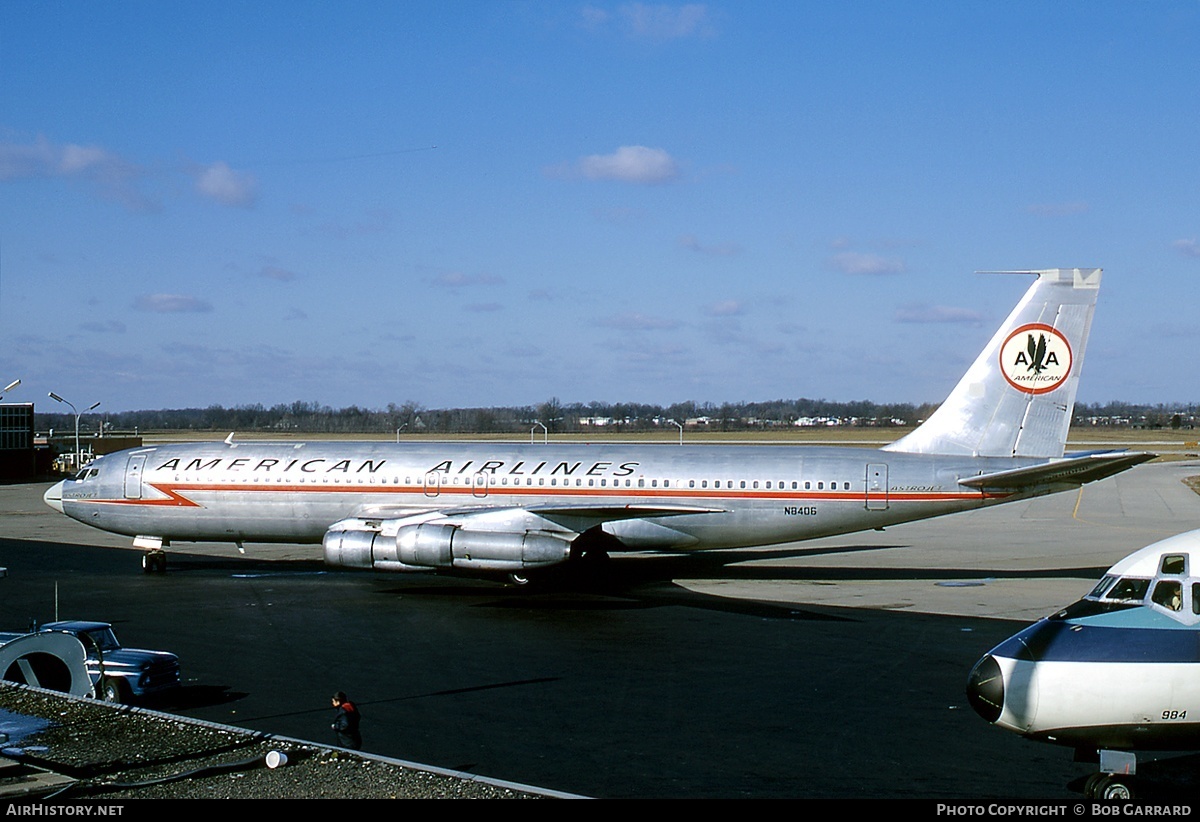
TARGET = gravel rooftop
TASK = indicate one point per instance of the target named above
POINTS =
(117, 753)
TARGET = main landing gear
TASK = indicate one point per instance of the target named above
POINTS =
(1116, 777)
(1102, 785)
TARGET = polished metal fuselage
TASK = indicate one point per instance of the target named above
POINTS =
(705, 496)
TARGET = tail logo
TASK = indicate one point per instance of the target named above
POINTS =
(1036, 358)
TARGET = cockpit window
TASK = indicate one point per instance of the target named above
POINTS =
(1102, 586)
(1174, 564)
(86, 473)
(1169, 594)
(1129, 588)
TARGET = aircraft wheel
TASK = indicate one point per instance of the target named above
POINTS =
(113, 690)
(520, 578)
(1113, 787)
(154, 562)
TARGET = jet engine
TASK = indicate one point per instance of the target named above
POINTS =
(438, 545)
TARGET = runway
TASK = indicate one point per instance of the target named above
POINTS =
(833, 668)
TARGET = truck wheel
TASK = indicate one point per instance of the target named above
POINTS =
(114, 690)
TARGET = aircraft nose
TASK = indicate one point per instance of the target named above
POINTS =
(985, 689)
(53, 496)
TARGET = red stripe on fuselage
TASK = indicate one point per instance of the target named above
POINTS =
(176, 493)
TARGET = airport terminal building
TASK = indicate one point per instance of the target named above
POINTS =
(18, 459)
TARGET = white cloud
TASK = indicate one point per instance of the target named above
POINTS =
(274, 272)
(457, 279)
(690, 242)
(923, 314)
(631, 164)
(854, 262)
(593, 17)
(114, 177)
(662, 22)
(104, 326)
(1188, 248)
(228, 187)
(171, 304)
(1057, 209)
(637, 321)
(725, 308)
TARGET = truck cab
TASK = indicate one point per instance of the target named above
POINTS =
(120, 674)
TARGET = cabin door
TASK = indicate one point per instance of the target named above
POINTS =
(877, 486)
(133, 476)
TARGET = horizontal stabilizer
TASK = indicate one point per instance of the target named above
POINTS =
(1074, 470)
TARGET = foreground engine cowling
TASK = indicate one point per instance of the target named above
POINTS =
(431, 546)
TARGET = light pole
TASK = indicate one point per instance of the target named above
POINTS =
(8, 388)
(680, 427)
(78, 414)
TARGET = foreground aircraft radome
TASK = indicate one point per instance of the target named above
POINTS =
(515, 509)
(1115, 673)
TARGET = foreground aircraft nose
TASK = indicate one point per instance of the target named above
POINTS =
(53, 496)
(985, 689)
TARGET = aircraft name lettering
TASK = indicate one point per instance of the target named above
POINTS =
(269, 465)
(915, 488)
(521, 468)
(800, 510)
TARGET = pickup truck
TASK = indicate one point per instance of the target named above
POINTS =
(118, 674)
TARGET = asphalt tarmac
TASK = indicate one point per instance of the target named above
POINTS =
(832, 669)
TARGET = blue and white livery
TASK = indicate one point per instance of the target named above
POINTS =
(1114, 673)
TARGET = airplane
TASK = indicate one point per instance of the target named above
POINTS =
(1115, 673)
(506, 509)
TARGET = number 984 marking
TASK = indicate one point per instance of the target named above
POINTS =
(1169, 715)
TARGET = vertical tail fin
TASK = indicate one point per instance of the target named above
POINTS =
(1016, 400)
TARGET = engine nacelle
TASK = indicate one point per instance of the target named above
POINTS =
(363, 549)
(439, 545)
(429, 546)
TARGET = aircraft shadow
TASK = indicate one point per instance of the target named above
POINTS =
(652, 580)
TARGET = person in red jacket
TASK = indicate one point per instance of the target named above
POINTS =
(346, 721)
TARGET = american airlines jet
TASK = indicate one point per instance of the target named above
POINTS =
(509, 509)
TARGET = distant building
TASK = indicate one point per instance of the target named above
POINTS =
(18, 458)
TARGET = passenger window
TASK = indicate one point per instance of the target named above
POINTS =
(1196, 598)
(1174, 564)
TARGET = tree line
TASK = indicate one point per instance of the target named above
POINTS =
(555, 417)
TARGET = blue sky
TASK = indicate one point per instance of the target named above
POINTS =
(496, 203)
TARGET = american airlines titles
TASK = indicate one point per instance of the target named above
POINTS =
(320, 465)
